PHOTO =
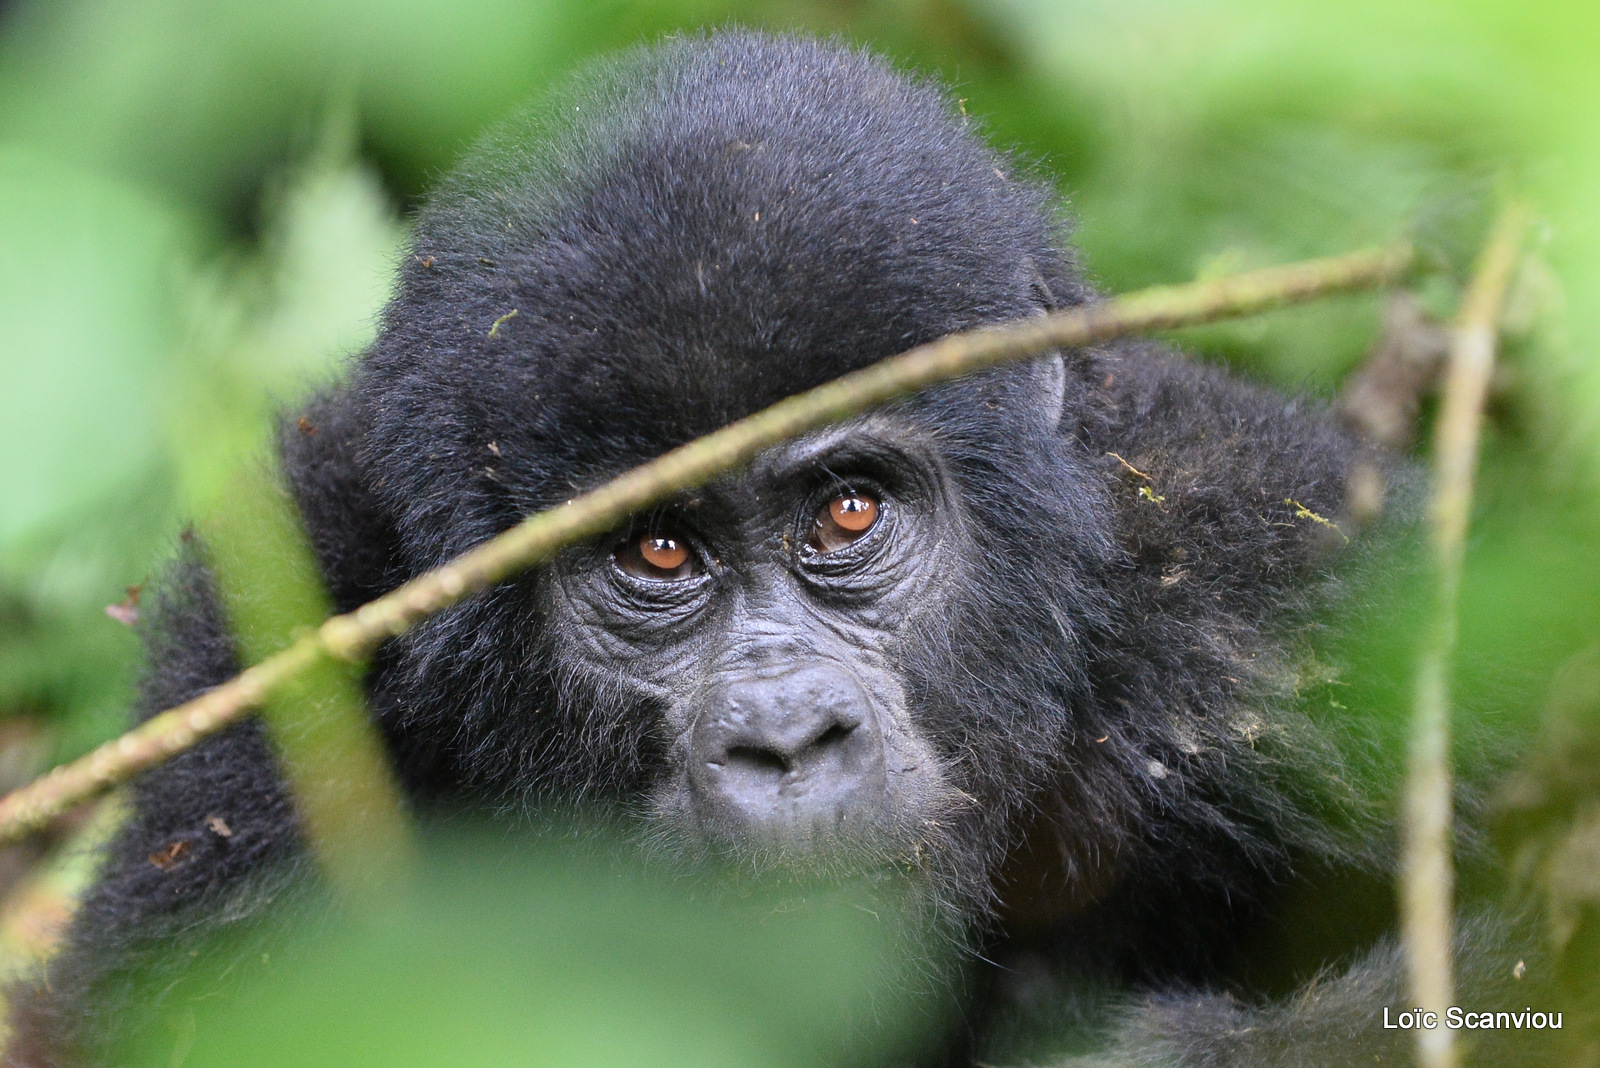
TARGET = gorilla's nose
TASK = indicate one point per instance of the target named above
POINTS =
(798, 753)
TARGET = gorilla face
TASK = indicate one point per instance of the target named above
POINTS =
(861, 651)
(765, 616)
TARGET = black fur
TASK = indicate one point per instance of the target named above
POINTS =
(1108, 662)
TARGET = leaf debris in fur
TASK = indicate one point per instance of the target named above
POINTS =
(1129, 466)
(1302, 512)
(166, 858)
(506, 318)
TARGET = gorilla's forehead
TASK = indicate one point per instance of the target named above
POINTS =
(908, 439)
(891, 446)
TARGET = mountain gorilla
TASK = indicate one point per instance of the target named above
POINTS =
(1039, 634)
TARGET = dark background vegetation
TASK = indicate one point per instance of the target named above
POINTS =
(201, 202)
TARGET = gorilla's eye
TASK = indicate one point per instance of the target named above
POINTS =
(842, 520)
(656, 555)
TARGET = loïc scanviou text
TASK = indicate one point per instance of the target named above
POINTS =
(1457, 1018)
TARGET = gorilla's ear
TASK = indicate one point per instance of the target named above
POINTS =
(1050, 372)
(1050, 387)
(1056, 283)
(1044, 295)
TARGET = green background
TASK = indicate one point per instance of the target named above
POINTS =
(201, 202)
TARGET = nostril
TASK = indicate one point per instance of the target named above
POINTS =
(756, 758)
(751, 758)
(834, 735)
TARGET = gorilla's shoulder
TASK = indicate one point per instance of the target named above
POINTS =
(1222, 481)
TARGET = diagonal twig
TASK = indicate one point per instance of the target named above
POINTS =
(354, 636)
(1427, 873)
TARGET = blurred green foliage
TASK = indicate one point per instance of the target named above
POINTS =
(329, 750)
(549, 955)
(201, 202)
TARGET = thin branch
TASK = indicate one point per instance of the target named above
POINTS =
(1427, 872)
(354, 636)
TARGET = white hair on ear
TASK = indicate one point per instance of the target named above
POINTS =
(1052, 375)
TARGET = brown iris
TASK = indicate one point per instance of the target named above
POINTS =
(843, 520)
(656, 555)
